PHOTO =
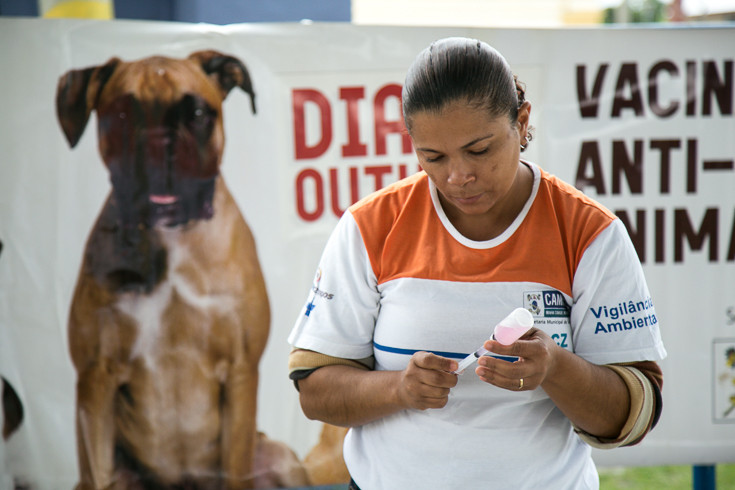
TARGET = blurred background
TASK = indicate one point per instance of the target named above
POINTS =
(470, 13)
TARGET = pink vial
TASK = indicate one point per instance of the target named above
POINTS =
(513, 326)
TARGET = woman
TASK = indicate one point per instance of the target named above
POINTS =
(415, 276)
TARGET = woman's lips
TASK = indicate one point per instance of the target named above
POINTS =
(467, 200)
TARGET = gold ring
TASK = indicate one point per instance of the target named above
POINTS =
(520, 386)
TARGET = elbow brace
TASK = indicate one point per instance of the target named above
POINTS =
(645, 408)
(303, 362)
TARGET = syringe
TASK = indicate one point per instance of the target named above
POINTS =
(510, 329)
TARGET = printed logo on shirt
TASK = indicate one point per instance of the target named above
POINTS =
(315, 288)
(624, 316)
(551, 314)
(546, 303)
(533, 303)
(310, 305)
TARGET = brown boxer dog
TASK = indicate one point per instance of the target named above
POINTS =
(324, 464)
(170, 315)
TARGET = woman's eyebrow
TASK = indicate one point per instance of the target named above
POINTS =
(477, 140)
(473, 142)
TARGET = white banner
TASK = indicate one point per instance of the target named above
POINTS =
(641, 119)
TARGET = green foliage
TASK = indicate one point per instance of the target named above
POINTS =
(668, 477)
(637, 11)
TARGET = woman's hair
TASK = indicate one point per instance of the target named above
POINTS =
(463, 69)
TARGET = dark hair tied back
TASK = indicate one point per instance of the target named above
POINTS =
(465, 69)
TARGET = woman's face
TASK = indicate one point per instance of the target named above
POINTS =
(472, 158)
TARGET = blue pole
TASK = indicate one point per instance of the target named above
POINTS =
(703, 477)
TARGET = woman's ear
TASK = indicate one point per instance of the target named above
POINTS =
(524, 118)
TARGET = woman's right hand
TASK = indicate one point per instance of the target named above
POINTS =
(426, 381)
(348, 396)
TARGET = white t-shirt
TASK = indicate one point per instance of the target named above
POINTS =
(396, 277)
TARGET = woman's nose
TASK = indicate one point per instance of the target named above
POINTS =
(460, 173)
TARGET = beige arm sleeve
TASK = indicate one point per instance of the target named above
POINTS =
(301, 362)
(643, 382)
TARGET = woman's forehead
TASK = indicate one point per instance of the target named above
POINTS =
(456, 112)
(455, 125)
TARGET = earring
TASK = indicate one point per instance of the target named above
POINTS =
(527, 138)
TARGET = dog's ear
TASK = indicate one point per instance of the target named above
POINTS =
(76, 95)
(226, 71)
(12, 407)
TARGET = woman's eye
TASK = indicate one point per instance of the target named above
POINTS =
(432, 159)
(479, 152)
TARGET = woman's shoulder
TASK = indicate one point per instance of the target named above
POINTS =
(566, 198)
(393, 210)
(393, 196)
(563, 209)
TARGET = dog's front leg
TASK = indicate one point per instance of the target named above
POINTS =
(95, 426)
(239, 426)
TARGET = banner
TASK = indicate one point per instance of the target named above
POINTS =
(310, 122)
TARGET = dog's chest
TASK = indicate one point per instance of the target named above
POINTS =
(180, 316)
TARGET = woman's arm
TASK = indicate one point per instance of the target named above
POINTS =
(348, 396)
(593, 397)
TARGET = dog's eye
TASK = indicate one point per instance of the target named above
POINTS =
(200, 119)
(196, 115)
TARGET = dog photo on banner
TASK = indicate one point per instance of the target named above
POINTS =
(170, 313)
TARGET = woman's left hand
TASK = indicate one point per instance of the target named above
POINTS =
(536, 353)
(594, 398)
